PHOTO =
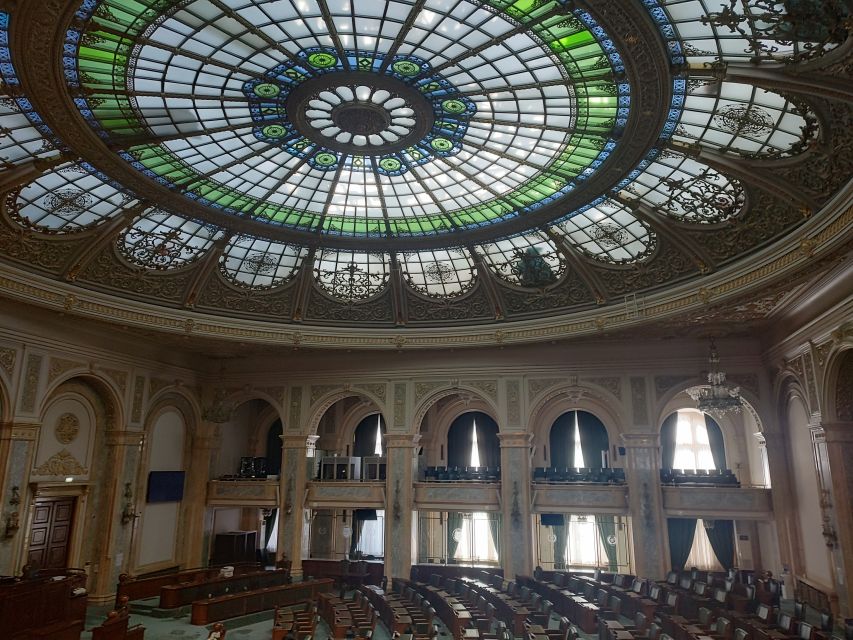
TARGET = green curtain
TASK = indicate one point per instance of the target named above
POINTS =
(559, 547)
(594, 439)
(562, 441)
(667, 441)
(715, 440)
(606, 529)
(722, 538)
(681, 532)
(454, 521)
(494, 529)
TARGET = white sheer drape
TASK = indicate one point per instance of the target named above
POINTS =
(578, 461)
(272, 545)
(372, 539)
(701, 553)
(476, 544)
(583, 543)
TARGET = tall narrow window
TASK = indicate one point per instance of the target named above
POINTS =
(578, 461)
(377, 449)
(475, 447)
(692, 447)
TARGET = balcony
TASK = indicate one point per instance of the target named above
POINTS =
(346, 495)
(464, 495)
(259, 492)
(580, 498)
(739, 503)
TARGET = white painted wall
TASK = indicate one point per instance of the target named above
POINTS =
(235, 441)
(807, 505)
(159, 522)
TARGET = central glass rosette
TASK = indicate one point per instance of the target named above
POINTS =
(382, 120)
(368, 113)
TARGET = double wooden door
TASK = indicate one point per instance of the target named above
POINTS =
(51, 532)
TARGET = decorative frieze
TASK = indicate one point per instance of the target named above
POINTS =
(7, 360)
(488, 387)
(513, 402)
(61, 464)
(67, 427)
(639, 403)
(399, 405)
(138, 393)
(295, 412)
(664, 383)
(31, 383)
(60, 366)
(376, 389)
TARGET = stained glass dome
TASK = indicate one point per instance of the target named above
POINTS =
(414, 161)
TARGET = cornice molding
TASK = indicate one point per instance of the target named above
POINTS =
(820, 237)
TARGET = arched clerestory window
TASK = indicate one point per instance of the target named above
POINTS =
(369, 437)
(578, 439)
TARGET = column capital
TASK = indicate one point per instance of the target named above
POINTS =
(20, 430)
(515, 439)
(124, 438)
(298, 441)
(640, 440)
(401, 440)
(837, 432)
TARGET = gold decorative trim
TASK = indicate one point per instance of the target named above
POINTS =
(61, 464)
(60, 366)
(67, 427)
(760, 270)
(7, 360)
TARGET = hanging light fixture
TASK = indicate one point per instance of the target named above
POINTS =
(718, 397)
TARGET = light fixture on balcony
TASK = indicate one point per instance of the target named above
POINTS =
(718, 397)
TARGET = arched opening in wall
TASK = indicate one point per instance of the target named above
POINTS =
(472, 445)
(578, 440)
(693, 453)
(579, 452)
(163, 479)
(248, 459)
(350, 448)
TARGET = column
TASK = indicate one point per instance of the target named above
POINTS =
(516, 507)
(839, 447)
(17, 448)
(401, 467)
(645, 504)
(787, 527)
(195, 543)
(293, 482)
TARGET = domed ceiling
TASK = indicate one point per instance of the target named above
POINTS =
(413, 163)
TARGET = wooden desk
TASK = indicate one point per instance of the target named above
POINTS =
(178, 595)
(241, 604)
(44, 607)
(350, 573)
(149, 587)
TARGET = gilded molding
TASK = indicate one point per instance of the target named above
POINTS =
(138, 393)
(31, 383)
(399, 405)
(60, 366)
(295, 412)
(513, 402)
(377, 389)
(8, 357)
(639, 401)
(119, 377)
(488, 387)
(423, 389)
(61, 464)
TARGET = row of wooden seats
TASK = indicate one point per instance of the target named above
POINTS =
(566, 599)
(43, 605)
(454, 614)
(117, 625)
(295, 623)
(346, 617)
(495, 602)
(406, 613)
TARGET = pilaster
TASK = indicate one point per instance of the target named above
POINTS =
(195, 544)
(295, 451)
(17, 446)
(400, 534)
(787, 526)
(516, 504)
(111, 558)
(645, 503)
(839, 447)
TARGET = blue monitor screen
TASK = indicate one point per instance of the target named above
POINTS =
(165, 486)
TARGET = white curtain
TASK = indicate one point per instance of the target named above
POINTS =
(272, 545)
(476, 543)
(701, 553)
(372, 540)
(583, 544)
(692, 449)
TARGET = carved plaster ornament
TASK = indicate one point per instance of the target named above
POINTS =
(67, 428)
(61, 464)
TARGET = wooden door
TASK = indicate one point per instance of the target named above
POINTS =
(51, 532)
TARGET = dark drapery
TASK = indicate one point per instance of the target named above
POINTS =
(715, 439)
(274, 448)
(454, 521)
(562, 441)
(594, 439)
(607, 532)
(681, 532)
(364, 438)
(667, 441)
(459, 441)
(722, 538)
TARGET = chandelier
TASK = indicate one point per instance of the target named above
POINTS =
(718, 397)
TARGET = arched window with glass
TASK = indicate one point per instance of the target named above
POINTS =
(693, 451)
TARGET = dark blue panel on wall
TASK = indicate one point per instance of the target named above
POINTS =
(165, 486)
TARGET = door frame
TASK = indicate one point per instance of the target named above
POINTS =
(77, 490)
